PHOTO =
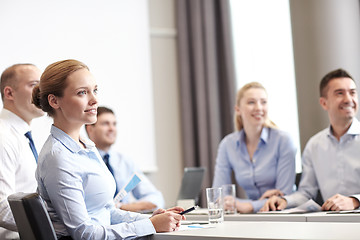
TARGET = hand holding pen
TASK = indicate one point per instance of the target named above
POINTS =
(189, 210)
(173, 216)
(176, 210)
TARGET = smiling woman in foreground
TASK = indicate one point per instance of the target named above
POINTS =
(72, 178)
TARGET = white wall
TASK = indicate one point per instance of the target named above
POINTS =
(326, 36)
(111, 37)
(166, 99)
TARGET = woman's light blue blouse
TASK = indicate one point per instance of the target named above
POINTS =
(272, 166)
(78, 190)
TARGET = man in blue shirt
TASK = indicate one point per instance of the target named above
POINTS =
(103, 134)
(330, 160)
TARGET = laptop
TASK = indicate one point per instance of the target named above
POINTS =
(191, 184)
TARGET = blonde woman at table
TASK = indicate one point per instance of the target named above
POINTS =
(72, 177)
(261, 156)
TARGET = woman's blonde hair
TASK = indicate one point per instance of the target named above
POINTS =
(240, 94)
(53, 81)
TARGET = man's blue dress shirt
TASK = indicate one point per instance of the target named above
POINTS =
(330, 165)
(123, 169)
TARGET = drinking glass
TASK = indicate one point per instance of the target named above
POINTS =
(229, 193)
(214, 198)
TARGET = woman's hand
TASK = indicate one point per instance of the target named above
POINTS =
(229, 203)
(244, 207)
(274, 203)
(173, 209)
(176, 209)
(270, 193)
(167, 220)
(158, 211)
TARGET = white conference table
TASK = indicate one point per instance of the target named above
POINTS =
(267, 230)
(253, 217)
(332, 217)
(278, 217)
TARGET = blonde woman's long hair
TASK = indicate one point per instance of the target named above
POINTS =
(240, 94)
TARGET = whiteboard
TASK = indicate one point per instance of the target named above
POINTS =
(111, 37)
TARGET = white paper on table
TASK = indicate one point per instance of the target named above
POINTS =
(344, 211)
(309, 206)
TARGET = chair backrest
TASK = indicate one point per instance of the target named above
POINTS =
(31, 217)
(319, 199)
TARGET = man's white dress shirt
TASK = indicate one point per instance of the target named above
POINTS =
(17, 167)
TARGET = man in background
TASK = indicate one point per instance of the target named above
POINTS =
(331, 158)
(18, 155)
(103, 134)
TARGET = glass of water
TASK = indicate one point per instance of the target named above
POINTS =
(229, 193)
(214, 198)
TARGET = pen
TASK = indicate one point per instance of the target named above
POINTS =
(188, 210)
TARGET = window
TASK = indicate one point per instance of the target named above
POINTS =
(264, 53)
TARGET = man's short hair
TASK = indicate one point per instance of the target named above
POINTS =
(100, 111)
(338, 73)
(8, 77)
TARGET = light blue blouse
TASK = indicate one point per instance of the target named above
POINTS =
(78, 190)
(272, 167)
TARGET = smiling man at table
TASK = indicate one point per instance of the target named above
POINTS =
(331, 158)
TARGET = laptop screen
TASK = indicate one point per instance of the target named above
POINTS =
(191, 183)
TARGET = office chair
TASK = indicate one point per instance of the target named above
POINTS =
(31, 217)
(319, 199)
